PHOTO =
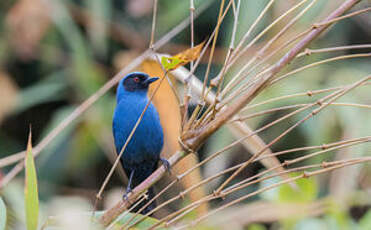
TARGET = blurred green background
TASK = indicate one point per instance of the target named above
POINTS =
(54, 56)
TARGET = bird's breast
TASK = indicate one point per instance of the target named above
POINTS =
(147, 140)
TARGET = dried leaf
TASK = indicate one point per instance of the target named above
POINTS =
(8, 95)
(168, 108)
(182, 58)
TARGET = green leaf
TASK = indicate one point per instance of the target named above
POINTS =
(365, 221)
(145, 224)
(2, 214)
(307, 191)
(170, 63)
(30, 190)
(48, 90)
(256, 227)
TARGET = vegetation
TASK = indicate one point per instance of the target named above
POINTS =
(265, 107)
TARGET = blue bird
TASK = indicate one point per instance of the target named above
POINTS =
(142, 153)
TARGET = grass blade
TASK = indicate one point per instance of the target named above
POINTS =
(2, 214)
(30, 190)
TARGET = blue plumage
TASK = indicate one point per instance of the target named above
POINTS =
(142, 153)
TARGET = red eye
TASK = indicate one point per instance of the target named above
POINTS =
(136, 79)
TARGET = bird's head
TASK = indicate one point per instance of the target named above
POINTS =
(135, 82)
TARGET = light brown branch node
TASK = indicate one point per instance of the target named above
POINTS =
(184, 146)
(181, 194)
(259, 56)
(178, 177)
(314, 112)
(324, 146)
(216, 193)
(316, 25)
(214, 82)
(306, 174)
(324, 164)
(309, 93)
(308, 51)
(128, 200)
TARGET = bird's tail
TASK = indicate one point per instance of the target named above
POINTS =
(150, 207)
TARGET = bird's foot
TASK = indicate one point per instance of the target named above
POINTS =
(166, 164)
(125, 197)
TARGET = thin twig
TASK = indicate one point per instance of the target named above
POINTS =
(268, 111)
(196, 140)
(304, 175)
(153, 24)
(272, 40)
(308, 51)
(219, 21)
(213, 177)
(314, 112)
(93, 98)
(199, 136)
(319, 63)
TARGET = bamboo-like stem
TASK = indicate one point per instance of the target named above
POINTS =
(238, 186)
(287, 163)
(211, 56)
(252, 27)
(199, 108)
(111, 214)
(187, 89)
(219, 79)
(223, 172)
(343, 57)
(259, 179)
(250, 84)
(268, 111)
(209, 158)
(323, 146)
(303, 175)
(93, 98)
(261, 52)
(171, 159)
(344, 16)
(309, 93)
(314, 112)
(124, 214)
(153, 23)
(147, 204)
(201, 105)
(236, 80)
(195, 141)
(251, 141)
(308, 51)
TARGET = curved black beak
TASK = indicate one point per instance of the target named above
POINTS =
(150, 80)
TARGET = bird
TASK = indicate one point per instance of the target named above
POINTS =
(142, 153)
